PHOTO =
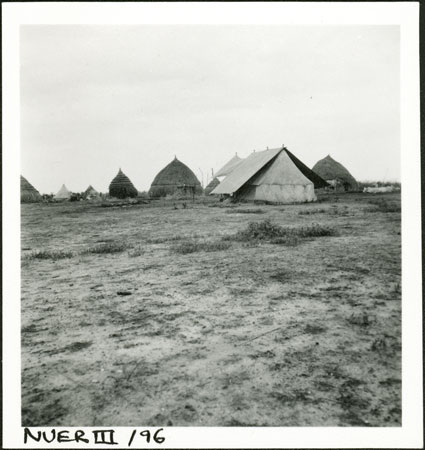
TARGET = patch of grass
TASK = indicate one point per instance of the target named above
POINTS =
(176, 237)
(314, 329)
(136, 251)
(246, 211)
(198, 246)
(53, 255)
(311, 211)
(382, 205)
(106, 248)
(361, 319)
(268, 231)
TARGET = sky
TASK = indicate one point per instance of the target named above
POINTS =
(98, 98)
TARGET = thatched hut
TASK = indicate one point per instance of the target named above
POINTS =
(211, 186)
(175, 179)
(122, 187)
(335, 174)
(90, 192)
(29, 193)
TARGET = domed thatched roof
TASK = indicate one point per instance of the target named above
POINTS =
(329, 169)
(211, 186)
(173, 177)
(63, 193)
(29, 193)
(122, 187)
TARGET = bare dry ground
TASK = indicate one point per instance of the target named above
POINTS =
(145, 315)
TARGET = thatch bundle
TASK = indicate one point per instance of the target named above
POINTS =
(29, 193)
(122, 187)
(175, 178)
(336, 174)
(211, 186)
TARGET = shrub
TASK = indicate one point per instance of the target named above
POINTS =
(196, 246)
(308, 212)
(137, 251)
(49, 254)
(362, 319)
(246, 211)
(107, 247)
(267, 231)
(381, 205)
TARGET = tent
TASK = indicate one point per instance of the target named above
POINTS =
(122, 187)
(228, 167)
(90, 192)
(274, 175)
(175, 178)
(63, 193)
(336, 174)
(29, 193)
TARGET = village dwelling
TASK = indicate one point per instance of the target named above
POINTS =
(90, 193)
(274, 176)
(121, 187)
(29, 193)
(175, 179)
(339, 178)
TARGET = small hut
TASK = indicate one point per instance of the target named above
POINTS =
(122, 187)
(29, 193)
(335, 174)
(211, 186)
(63, 193)
(90, 193)
(175, 179)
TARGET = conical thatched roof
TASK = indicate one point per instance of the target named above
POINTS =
(29, 193)
(63, 193)
(173, 177)
(330, 170)
(122, 187)
(211, 186)
(90, 192)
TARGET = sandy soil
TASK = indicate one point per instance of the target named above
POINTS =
(253, 335)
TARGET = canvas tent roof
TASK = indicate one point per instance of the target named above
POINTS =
(289, 170)
(229, 167)
(63, 193)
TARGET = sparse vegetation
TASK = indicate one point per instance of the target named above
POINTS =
(382, 205)
(246, 211)
(53, 255)
(106, 248)
(308, 212)
(285, 333)
(199, 246)
(363, 319)
(268, 231)
(136, 251)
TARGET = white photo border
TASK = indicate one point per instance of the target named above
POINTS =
(404, 14)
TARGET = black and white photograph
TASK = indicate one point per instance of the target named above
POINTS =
(210, 225)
